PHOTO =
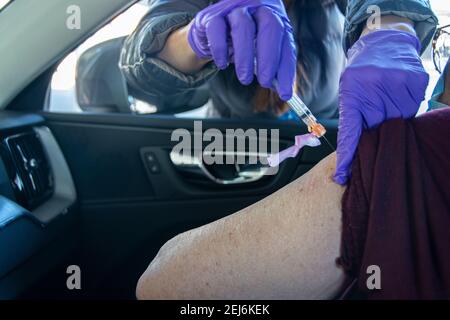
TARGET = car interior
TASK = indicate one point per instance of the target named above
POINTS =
(99, 189)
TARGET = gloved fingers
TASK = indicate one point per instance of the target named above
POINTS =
(365, 89)
(216, 32)
(243, 32)
(197, 40)
(403, 93)
(350, 128)
(410, 101)
(287, 70)
(417, 86)
(384, 79)
(269, 40)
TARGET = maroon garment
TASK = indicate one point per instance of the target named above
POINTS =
(396, 209)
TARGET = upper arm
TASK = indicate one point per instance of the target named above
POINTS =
(283, 247)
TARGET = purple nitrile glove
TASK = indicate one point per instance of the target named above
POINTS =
(241, 30)
(384, 79)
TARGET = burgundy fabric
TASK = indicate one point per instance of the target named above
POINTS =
(396, 209)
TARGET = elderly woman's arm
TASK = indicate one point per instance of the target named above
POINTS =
(283, 247)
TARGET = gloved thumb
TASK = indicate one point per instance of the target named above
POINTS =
(350, 128)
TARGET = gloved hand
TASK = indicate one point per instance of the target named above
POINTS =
(384, 79)
(240, 30)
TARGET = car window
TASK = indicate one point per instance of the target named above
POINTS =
(63, 89)
(83, 84)
(4, 3)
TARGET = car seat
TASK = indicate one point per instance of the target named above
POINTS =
(102, 87)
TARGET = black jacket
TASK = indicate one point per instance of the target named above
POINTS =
(318, 28)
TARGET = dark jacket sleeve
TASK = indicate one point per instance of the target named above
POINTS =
(418, 11)
(161, 83)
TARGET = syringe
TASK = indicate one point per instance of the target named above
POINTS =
(306, 116)
(300, 108)
(314, 127)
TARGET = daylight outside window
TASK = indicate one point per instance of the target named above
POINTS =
(63, 86)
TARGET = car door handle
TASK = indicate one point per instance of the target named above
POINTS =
(242, 173)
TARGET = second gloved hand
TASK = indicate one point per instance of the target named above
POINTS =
(241, 31)
(384, 79)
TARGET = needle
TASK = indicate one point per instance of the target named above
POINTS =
(308, 118)
(300, 108)
(328, 142)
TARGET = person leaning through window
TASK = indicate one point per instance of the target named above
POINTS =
(251, 52)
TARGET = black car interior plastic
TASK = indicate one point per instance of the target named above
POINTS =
(90, 197)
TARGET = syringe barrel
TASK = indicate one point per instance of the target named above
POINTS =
(301, 110)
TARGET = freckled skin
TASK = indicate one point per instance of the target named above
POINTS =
(282, 247)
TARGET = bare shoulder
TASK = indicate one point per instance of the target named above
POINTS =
(283, 246)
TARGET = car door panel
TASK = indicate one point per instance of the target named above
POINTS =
(128, 212)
